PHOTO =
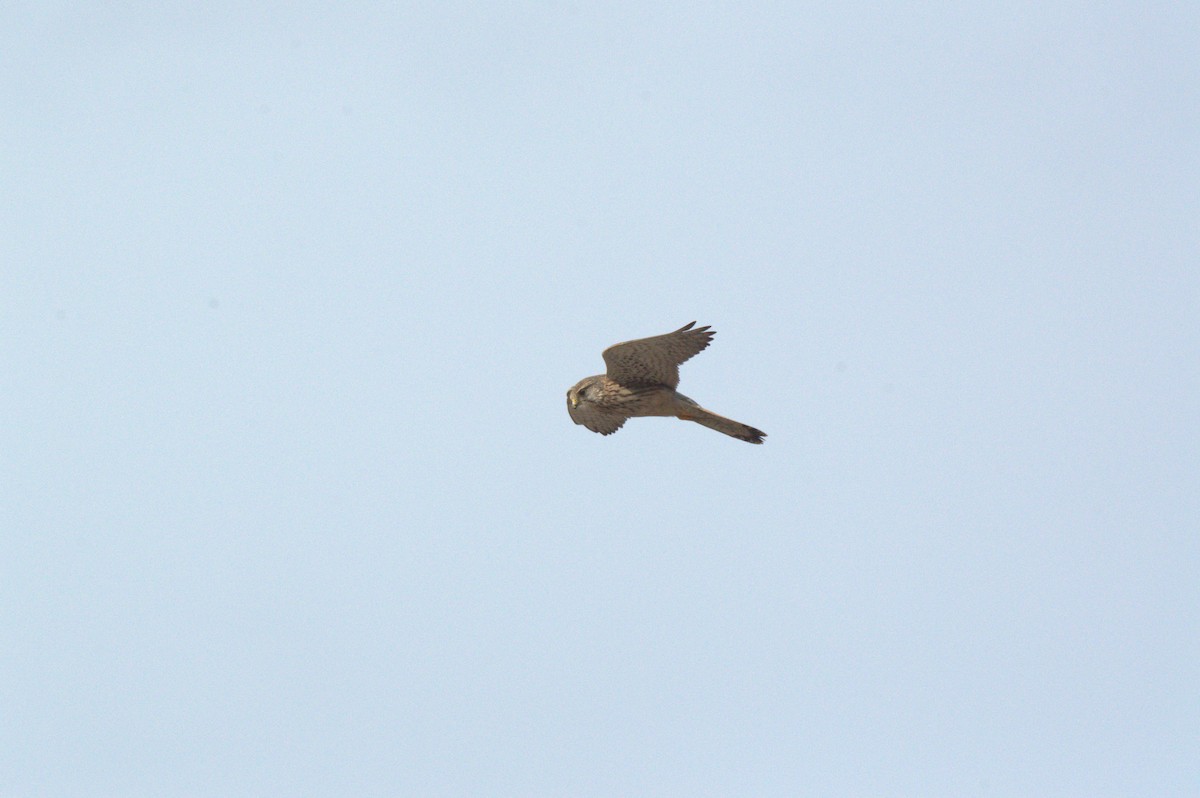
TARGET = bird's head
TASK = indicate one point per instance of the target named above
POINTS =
(577, 394)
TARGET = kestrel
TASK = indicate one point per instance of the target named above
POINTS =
(641, 381)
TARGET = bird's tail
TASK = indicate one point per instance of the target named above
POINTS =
(734, 429)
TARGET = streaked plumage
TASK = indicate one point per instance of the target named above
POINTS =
(641, 380)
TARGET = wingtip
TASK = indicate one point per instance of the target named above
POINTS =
(705, 329)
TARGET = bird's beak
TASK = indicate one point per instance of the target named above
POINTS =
(574, 401)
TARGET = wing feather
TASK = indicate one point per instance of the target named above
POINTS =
(655, 360)
(594, 418)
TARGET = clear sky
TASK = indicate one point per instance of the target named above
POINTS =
(291, 295)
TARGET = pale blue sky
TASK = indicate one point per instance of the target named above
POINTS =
(291, 296)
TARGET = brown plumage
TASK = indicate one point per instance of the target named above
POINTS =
(641, 380)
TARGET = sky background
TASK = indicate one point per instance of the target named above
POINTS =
(291, 295)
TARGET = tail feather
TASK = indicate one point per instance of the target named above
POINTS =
(734, 429)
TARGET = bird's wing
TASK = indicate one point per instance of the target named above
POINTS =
(595, 419)
(656, 360)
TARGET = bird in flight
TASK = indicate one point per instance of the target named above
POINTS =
(640, 381)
